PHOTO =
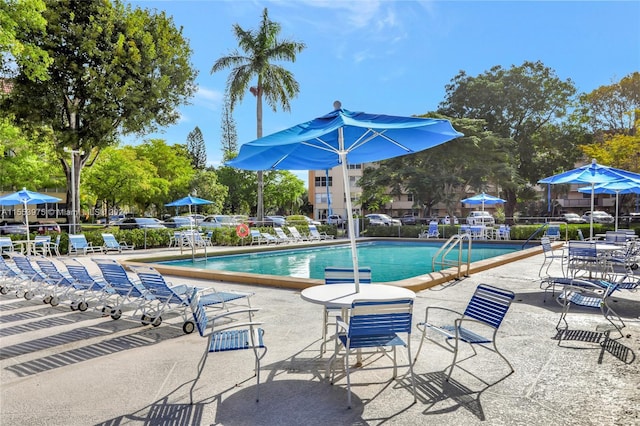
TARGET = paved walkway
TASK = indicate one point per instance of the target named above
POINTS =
(60, 367)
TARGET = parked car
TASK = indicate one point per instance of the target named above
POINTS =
(179, 222)
(449, 220)
(140, 223)
(277, 220)
(376, 219)
(48, 226)
(598, 217)
(634, 217)
(408, 219)
(335, 219)
(311, 221)
(7, 227)
(217, 221)
(197, 218)
(572, 218)
(480, 218)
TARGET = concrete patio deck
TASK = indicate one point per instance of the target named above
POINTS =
(60, 367)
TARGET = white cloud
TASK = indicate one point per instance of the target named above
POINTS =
(208, 98)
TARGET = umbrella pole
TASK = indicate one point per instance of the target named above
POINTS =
(351, 227)
(617, 192)
(593, 188)
(26, 221)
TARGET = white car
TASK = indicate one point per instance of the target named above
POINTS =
(449, 220)
(335, 219)
(598, 217)
(217, 221)
(382, 219)
(480, 218)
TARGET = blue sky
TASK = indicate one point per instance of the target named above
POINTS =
(395, 57)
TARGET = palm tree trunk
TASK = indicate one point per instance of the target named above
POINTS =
(260, 209)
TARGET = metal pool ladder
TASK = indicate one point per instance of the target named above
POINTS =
(456, 241)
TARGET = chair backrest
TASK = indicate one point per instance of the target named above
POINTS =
(6, 242)
(51, 271)
(110, 241)
(41, 239)
(489, 305)
(155, 283)
(255, 233)
(340, 275)
(582, 249)
(280, 233)
(294, 231)
(546, 245)
(23, 263)
(199, 312)
(78, 271)
(78, 241)
(580, 235)
(57, 243)
(615, 237)
(268, 236)
(313, 230)
(117, 277)
(380, 317)
(553, 231)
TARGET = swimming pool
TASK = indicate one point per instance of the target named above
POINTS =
(389, 260)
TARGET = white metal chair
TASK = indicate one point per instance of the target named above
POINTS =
(6, 245)
(549, 256)
(375, 324)
(111, 244)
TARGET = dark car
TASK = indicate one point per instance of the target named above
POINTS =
(13, 228)
(408, 219)
(48, 226)
(140, 222)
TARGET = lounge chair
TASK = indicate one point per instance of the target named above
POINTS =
(269, 239)
(553, 232)
(281, 236)
(78, 245)
(36, 283)
(316, 235)
(111, 244)
(484, 314)
(223, 336)
(175, 298)
(11, 278)
(126, 292)
(65, 288)
(296, 234)
(256, 237)
(6, 245)
(374, 324)
(432, 232)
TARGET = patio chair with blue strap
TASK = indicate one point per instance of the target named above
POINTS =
(256, 237)
(296, 234)
(592, 295)
(96, 287)
(78, 244)
(269, 239)
(225, 335)
(11, 278)
(111, 244)
(126, 291)
(431, 232)
(42, 245)
(175, 298)
(6, 245)
(281, 236)
(65, 288)
(36, 284)
(477, 326)
(374, 324)
(553, 232)
(340, 275)
(314, 234)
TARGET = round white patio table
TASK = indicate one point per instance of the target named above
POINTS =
(343, 295)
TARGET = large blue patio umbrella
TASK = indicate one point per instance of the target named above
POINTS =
(592, 174)
(621, 187)
(26, 197)
(483, 199)
(339, 138)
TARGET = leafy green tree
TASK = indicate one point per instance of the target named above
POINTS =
(19, 21)
(228, 131)
(241, 195)
(276, 84)
(283, 192)
(196, 148)
(116, 70)
(206, 185)
(517, 103)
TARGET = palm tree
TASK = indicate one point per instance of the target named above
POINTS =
(276, 84)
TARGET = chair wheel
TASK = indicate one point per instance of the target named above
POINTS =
(116, 314)
(145, 319)
(28, 295)
(46, 300)
(82, 306)
(4, 290)
(74, 307)
(156, 321)
(188, 327)
(55, 301)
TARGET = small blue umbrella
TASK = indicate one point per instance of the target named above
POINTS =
(26, 197)
(483, 199)
(189, 201)
(592, 174)
(621, 187)
(342, 137)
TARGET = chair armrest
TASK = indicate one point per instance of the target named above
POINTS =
(341, 324)
(422, 325)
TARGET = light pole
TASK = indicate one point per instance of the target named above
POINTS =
(72, 226)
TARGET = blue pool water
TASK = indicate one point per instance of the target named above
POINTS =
(389, 261)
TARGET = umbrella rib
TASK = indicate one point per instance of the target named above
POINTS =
(374, 134)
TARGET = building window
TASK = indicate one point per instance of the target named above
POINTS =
(321, 198)
(355, 166)
(322, 181)
(410, 197)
